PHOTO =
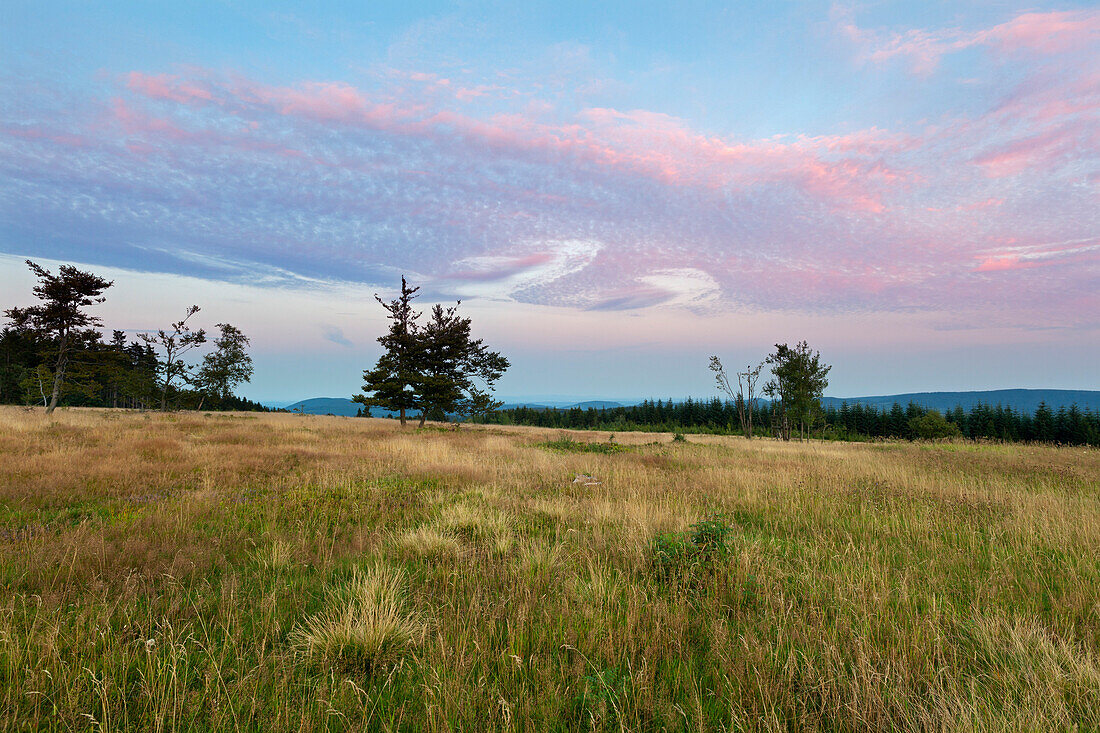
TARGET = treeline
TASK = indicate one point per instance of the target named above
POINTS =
(52, 353)
(1070, 426)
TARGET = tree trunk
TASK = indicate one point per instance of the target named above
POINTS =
(59, 373)
(402, 417)
(423, 417)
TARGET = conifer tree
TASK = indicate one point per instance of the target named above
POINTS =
(61, 316)
(450, 362)
(391, 384)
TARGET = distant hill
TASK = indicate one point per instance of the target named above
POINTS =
(1025, 400)
(333, 406)
(345, 407)
(326, 406)
(590, 404)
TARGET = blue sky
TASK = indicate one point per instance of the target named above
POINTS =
(613, 190)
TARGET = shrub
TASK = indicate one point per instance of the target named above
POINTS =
(679, 438)
(569, 445)
(679, 553)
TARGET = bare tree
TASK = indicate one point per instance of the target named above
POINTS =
(745, 396)
(61, 316)
(171, 346)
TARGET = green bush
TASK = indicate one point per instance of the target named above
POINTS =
(568, 445)
(680, 553)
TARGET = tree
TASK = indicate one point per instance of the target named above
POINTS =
(390, 384)
(745, 397)
(173, 345)
(229, 365)
(932, 426)
(798, 380)
(449, 362)
(478, 405)
(437, 368)
(61, 316)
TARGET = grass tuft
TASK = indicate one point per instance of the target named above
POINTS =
(428, 543)
(365, 625)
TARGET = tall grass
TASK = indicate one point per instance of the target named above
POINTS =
(277, 572)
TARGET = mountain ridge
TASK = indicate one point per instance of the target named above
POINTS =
(1026, 400)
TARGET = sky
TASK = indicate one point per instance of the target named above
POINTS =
(613, 190)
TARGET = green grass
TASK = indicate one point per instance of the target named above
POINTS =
(389, 580)
(568, 445)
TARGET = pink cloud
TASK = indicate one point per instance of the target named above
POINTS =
(1042, 150)
(986, 204)
(1004, 262)
(404, 173)
(1050, 33)
(1054, 32)
(171, 88)
(846, 171)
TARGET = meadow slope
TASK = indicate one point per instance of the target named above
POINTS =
(280, 572)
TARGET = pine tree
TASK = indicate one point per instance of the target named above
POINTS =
(450, 363)
(392, 383)
(61, 316)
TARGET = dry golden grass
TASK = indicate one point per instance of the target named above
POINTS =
(281, 572)
(365, 623)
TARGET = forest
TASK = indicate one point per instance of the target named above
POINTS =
(858, 422)
(53, 353)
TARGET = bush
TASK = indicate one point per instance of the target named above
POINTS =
(680, 553)
(569, 445)
(679, 438)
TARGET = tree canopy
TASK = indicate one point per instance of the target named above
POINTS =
(799, 379)
(61, 316)
(437, 367)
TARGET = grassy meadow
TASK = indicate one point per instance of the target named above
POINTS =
(278, 572)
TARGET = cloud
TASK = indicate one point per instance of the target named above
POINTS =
(1046, 33)
(224, 176)
(335, 335)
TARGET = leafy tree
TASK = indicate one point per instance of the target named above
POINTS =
(228, 366)
(932, 426)
(172, 345)
(391, 383)
(61, 317)
(798, 380)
